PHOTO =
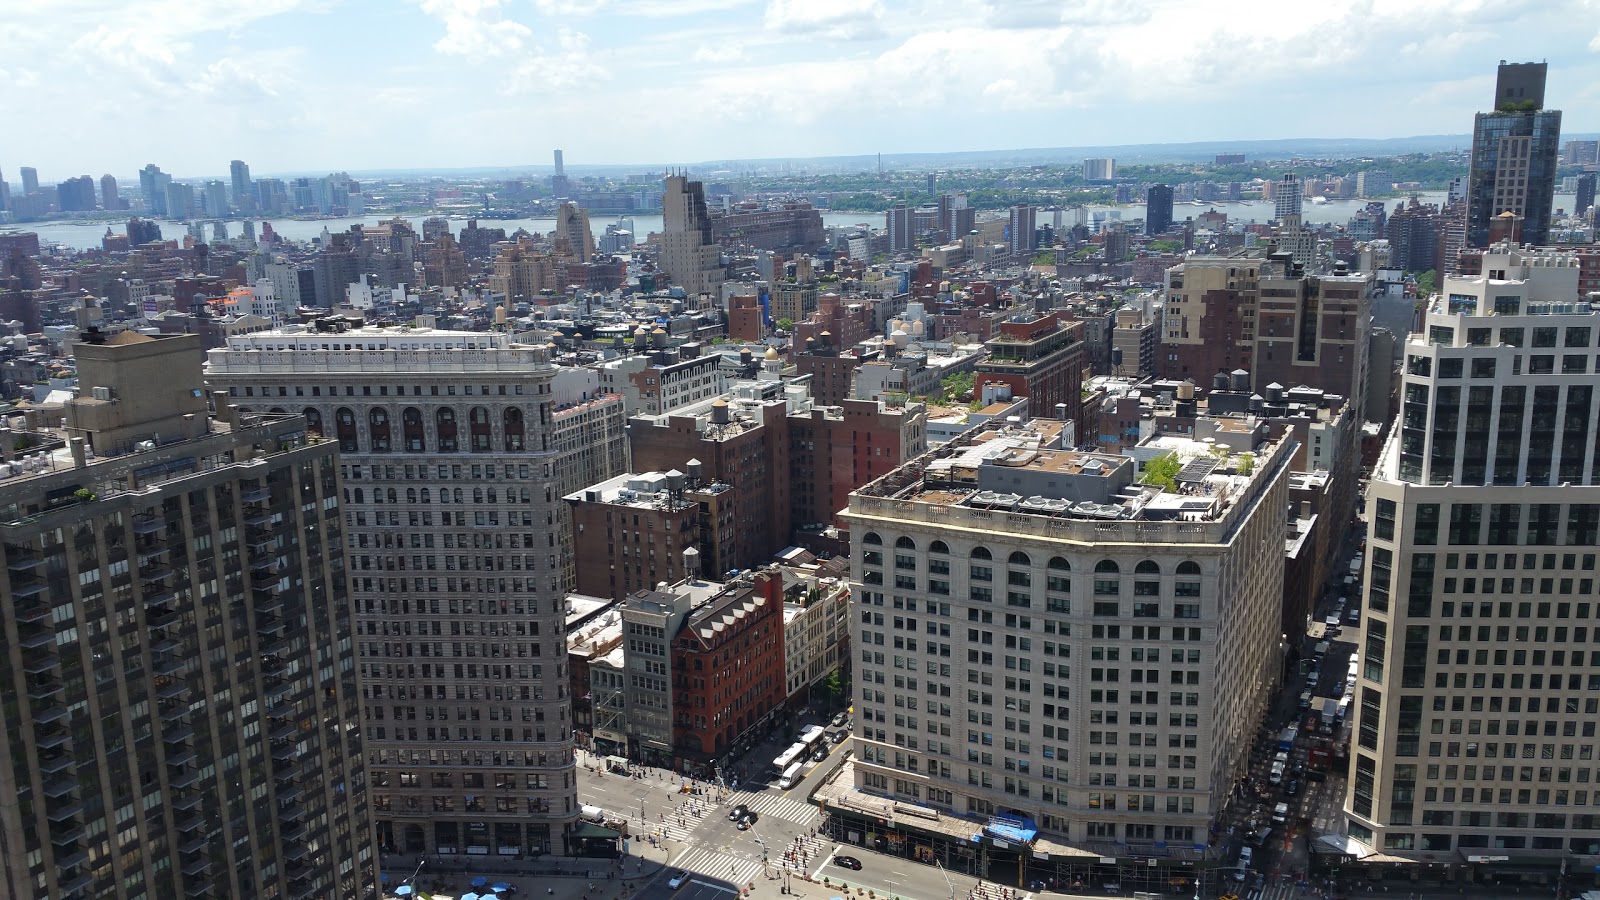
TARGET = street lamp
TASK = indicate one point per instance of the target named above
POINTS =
(947, 880)
(766, 870)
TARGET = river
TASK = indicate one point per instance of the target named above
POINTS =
(80, 235)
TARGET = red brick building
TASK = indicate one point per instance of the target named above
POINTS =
(1041, 358)
(834, 450)
(744, 319)
(728, 670)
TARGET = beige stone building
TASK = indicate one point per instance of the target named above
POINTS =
(447, 444)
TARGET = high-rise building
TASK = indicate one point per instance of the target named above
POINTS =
(1286, 196)
(899, 228)
(1104, 169)
(183, 656)
(1584, 198)
(180, 200)
(1021, 225)
(215, 199)
(1016, 586)
(75, 194)
(153, 189)
(956, 219)
(1514, 148)
(1038, 357)
(445, 438)
(1374, 183)
(574, 237)
(1475, 702)
(239, 171)
(5, 193)
(1157, 209)
(30, 180)
(560, 185)
(109, 197)
(689, 254)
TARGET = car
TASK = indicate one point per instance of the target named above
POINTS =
(737, 812)
(747, 820)
(679, 879)
(847, 862)
(1313, 676)
(1293, 789)
(820, 755)
(839, 720)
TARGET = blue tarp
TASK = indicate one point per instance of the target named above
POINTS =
(1012, 828)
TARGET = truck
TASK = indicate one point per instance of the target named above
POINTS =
(1355, 567)
(1286, 740)
(1330, 708)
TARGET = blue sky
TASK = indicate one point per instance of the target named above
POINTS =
(95, 86)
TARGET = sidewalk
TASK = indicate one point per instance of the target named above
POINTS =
(560, 877)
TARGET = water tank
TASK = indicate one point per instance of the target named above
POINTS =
(1274, 393)
(1186, 390)
(1221, 381)
(720, 413)
(675, 481)
(1241, 380)
(691, 562)
(694, 469)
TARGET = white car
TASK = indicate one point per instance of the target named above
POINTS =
(679, 879)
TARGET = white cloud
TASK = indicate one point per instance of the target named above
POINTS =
(718, 53)
(475, 28)
(567, 65)
(836, 19)
(568, 8)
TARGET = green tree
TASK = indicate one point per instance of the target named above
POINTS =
(1044, 258)
(1427, 283)
(1162, 472)
(834, 685)
(956, 386)
(785, 325)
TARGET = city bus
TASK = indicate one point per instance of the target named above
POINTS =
(812, 736)
(789, 757)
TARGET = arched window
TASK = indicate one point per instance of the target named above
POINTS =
(411, 430)
(871, 537)
(427, 495)
(378, 425)
(1018, 558)
(905, 543)
(313, 421)
(1106, 567)
(1188, 567)
(411, 495)
(1059, 564)
(513, 427)
(981, 553)
(344, 423)
(1147, 567)
(278, 410)
(448, 440)
(940, 548)
(478, 425)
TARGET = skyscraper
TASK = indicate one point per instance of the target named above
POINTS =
(1514, 149)
(216, 198)
(1021, 228)
(451, 470)
(688, 253)
(1476, 700)
(182, 683)
(1157, 209)
(240, 172)
(1286, 197)
(75, 194)
(1585, 196)
(5, 193)
(109, 197)
(560, 187)
(898, 228)
(1104, 169)
(153, 189)
(30, 180)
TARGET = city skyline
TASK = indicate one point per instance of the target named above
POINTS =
(286, 79)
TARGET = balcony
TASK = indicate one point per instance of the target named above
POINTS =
(36, 637)
(53, 763)
(161, 618)
(75, 884)
(168, 665)
(170, 690)
(197, 866)
(22, 561)
(188, 801)
(191, 822)
(64, 813)
(154, 573)
(157, 598)
(49, 715)
(197, 888)
(74, 858)
(285, 751)
(51, 739)
(283, 732)
(267, 626)
(165, 645)
(31, 587)
(180, 734)
(181, 756)
(149, 524)
(186, 779)
(268, 601)
(290, 831)
(255, 494)
(290, 793)
(257, 518)
(56, 788)
(28, 613)
(192, 845)
(289, 812)
(39, 661)
(299, 890)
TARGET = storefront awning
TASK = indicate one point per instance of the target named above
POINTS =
(591, 831)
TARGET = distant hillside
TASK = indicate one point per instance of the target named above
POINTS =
(1199, 151)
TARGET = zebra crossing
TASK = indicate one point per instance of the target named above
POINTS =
(789, 809)
(719, 865)
(670, 830)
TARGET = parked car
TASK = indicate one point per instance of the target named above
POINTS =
(839, 720)
(847, 862)
(1293, 788)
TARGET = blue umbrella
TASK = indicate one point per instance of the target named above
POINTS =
(499, 887)
(480, 881)
(468, 897)
(403, 890)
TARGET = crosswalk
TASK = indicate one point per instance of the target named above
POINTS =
(719, 865)
(1275, 889)
(789, 809)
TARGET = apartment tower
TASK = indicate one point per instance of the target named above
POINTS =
(1514, 155)
(182, 715)
(457, 579)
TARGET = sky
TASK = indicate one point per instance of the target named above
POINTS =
(98, 86)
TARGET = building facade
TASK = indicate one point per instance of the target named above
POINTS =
(457, 578)
(1477, 694)
(1004, 588)
(1514, 153)
(184, 706)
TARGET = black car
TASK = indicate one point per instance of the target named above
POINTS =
(737, 812)
(847, 862)
(1293, 789)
